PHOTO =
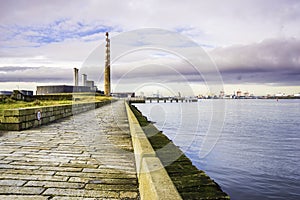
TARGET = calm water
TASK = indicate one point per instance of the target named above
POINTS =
(257, 154)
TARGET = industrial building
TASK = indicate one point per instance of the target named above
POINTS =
(87, 86)
(51, 89)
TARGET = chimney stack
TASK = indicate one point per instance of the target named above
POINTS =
(75, 76)
(107, 67)
(84, 78)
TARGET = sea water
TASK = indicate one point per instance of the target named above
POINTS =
(252, 147)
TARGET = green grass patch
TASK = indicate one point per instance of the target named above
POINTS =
(12, 104)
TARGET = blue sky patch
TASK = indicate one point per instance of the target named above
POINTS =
(57, 31)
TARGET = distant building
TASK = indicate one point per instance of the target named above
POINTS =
(24, 95)
(123, 94)
(91, 84)
(26, 92)
(18, 94)
(280, 94)
(239, 93)
(6, 93)
(297, 95)
(228, 96)
(222, 94)
(52, 89)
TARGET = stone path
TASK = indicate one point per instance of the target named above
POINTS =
(88, 156)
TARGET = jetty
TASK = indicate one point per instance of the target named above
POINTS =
(161, 99)
(101, 153)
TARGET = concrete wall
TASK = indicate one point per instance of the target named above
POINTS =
(25, 118)
(154, 181)
(50, 89)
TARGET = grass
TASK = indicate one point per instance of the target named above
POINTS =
(91, 98)
(23, 104)
(12, 104)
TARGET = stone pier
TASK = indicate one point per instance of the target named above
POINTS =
(87, 156)
(112, 152)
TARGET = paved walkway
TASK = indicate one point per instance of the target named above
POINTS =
(88, 156)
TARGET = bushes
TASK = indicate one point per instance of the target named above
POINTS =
(37, 103)
(7, 100)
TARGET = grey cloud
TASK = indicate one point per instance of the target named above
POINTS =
(35, 74)
(273, 61)
(13, 69)
(270, 61)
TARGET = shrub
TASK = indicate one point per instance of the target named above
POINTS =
(37, 103)
(9, 100)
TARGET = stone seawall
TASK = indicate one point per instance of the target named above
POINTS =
(25, 118)
(190, 182)
(154, 181)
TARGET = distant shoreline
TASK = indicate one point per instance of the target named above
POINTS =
(259, 97)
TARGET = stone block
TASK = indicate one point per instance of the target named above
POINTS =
(54, 184)
(81, 193)
(23, 197)
(59, 116)
(45, 120)
(2, 126)
(46, 114)
(36, 123)
(17, 119)
(155, 182)
(27, 111)
(29, 124)
(23, 125)
(21, 190)
(10, 182)
(30, 117)
(13, 127)
(128, 195)
(11, 112)
(53, 118)
(55, 108)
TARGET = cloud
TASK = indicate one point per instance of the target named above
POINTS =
(35, 74)
(270, 61)
(60, 35)
(216, 23)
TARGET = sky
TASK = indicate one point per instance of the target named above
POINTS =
(249, 45)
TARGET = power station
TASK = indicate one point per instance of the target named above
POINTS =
(87, 85)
